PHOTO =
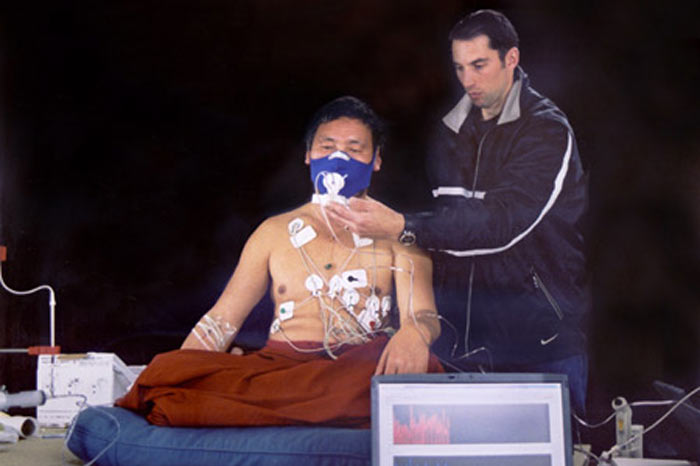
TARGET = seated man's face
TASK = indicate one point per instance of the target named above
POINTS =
(349, 135)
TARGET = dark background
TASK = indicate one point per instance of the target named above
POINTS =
(142, 141)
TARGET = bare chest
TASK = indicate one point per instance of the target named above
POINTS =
(345, 282)
(319, 265)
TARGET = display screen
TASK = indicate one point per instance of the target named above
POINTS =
(445, 424)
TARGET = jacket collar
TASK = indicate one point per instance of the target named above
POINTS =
(511, 109)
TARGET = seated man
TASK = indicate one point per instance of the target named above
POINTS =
(332, 290)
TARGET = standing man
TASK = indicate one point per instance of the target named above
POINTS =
(506, 226)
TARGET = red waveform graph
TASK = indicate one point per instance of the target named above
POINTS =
(422, 428)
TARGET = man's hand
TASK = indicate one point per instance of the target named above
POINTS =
(406, 353)
(367, 218)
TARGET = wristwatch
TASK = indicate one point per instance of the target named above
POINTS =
(407, 237)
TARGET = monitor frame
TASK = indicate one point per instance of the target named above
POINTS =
(472, 378)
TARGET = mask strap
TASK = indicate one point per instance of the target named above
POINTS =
(374, 155)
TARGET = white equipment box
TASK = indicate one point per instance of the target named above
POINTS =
(100, 378)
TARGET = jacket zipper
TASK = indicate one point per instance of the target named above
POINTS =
(469, 309)
(539, 284)
(471, 270)
(478, 157)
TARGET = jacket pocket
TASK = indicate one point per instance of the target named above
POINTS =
(539, 284)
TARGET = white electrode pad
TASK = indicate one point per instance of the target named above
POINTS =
(303, 236)
(350, 298)
(372, 304)
(286, 310)
(275, 327)
(295, 226)
(355, 278)
(367, 321)
(386, 305)
(333, 182)
(361, 242)
(313, 283)
(325, 199)
(335, 285)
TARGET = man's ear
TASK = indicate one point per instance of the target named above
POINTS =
(512, 58)
(307, 158)
(377, 159)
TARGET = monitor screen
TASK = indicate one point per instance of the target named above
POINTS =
(470, 420)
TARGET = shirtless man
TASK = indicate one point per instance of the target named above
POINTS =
(332, 294)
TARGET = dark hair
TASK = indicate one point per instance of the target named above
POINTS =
(350, 107)
(493, 24)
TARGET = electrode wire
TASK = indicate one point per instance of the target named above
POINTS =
(635, 437)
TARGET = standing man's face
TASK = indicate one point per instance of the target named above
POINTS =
(483, 75)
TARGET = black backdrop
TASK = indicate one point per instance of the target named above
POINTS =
(142, 141)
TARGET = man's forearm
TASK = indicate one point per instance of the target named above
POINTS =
(211, 333)
(426, 323)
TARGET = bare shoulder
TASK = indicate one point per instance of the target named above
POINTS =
(276, 228)
(282, 221)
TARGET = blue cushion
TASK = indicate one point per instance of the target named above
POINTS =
(136, 442)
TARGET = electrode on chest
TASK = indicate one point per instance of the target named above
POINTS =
(303, 236)
(314, 283)
(286, 310)
(353, 291)
(361, 242)
(354, 278)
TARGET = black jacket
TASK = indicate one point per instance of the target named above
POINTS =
(506, 231)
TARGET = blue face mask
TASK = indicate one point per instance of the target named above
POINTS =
(340, 174)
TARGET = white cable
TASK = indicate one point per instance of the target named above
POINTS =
(348, 328)
(214, 334)
(84, 407)
(52, 303)
(332, 316)
(653, 403)
(411, 310)
(612, 415)
(608, 454)
(594, 426)
(588, 455)
(308, 261)
(343, 325)
(326, 326)
(291, 343)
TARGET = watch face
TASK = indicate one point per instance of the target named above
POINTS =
(407, 238)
